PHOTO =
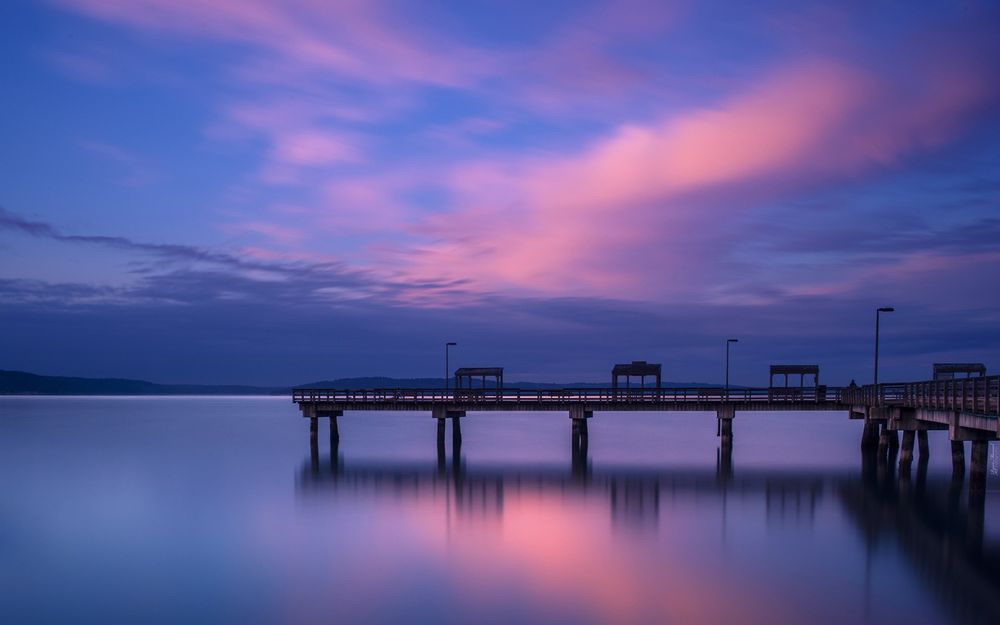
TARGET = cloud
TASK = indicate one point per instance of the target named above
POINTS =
(655, 197)
(204, 325)
(605, 180)
(160, 262)
(356, 39)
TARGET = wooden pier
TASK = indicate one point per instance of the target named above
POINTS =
(968, 408)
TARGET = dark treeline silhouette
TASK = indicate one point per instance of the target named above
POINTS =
(23, 383)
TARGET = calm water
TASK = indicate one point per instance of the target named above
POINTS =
(195, 510)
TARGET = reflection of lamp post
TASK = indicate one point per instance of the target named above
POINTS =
(878, 312)
(447, 346)
(728, 342)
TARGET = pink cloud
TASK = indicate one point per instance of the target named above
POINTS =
(625, 216)
(300, 134)
(639, 211)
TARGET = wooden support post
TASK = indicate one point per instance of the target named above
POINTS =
(869, 436)
(578, 416)
(888, 439)
(441, 465)
(725, 415)
(958, 457)
(314, 458)
(922, 444)
(314, 444)
(727, 433)
(977, 466)
(334, 430)
(906, 454)
(579, 442)
(456, 434)
(724, 463)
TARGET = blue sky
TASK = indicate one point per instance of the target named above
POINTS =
(275, 192)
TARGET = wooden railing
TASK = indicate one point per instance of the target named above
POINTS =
(567, 395)
(972, 395)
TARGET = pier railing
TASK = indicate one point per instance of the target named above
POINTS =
(970, 395)
(570, 395)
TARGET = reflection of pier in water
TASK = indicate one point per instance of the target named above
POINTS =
(936, 524)
(937, 530)
(634, 495)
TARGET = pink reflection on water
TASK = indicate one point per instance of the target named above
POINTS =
(544, 551)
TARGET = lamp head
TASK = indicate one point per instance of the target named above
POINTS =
(887, 309)
(450, 343)
(733, 341)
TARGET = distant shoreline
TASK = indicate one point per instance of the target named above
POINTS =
(24, 384)
(145, 396)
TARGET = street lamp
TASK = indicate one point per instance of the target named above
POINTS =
(878, 312)
(728, 342)
(447, 346)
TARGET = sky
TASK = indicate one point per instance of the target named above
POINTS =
(275, 192)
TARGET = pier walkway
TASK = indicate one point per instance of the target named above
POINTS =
(968, 408)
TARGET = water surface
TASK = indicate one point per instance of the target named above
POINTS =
(216, 510)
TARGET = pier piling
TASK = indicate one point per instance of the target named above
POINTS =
(725, 415)
(958, 457)
(888, 440)
(869, 436)
(977, 466)
(334, 428)
(906, 453)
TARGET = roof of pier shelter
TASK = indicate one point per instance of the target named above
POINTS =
(474, 372)
(637, 367)
(951, 368)
(794, 369)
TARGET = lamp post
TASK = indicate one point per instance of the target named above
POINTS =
(728, 343)
(447, 346)
(878, 312)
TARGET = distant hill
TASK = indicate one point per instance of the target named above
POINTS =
(22, 383)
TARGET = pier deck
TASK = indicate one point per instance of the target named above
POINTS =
(968, 408)
(593, 399)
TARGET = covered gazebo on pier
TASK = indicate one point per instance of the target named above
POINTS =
(469, 373)
(800, 370)
(635, 369)
(952, 370)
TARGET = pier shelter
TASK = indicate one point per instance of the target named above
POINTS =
(470, 373)
(636, 369)
(952, 370)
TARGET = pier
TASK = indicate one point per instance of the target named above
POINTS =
(967, 408)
